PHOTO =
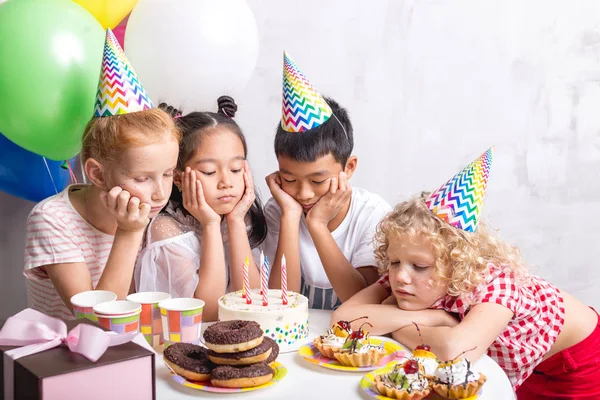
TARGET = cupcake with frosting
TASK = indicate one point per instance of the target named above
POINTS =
(456, 380)
(358, 351)
(406, 382)
(333, 340)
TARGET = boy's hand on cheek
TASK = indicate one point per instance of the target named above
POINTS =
(131, 215)
(287, 203)
(194, 201)
(330, 205)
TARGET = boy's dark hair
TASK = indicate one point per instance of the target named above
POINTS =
(334, 136)
(193, 127)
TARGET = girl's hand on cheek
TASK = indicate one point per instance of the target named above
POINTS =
(130, 213)
(241, 208)
(194, 201)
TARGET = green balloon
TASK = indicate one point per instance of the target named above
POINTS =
(50, 59)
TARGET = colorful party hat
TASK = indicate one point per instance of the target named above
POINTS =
(303, 107)
(119, 89)
(459, 200)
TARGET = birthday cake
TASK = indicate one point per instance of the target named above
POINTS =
(286, 324)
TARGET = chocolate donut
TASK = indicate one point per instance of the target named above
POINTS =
(274, 350)
(255, 355)
(241, 377)
(233, 336)
(189, 360)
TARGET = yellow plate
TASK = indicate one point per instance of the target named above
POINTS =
(366, 384)
(279, 372)
(393, 350)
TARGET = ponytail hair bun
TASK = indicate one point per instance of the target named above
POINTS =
(227, 106)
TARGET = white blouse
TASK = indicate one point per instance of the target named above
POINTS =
(170, 258)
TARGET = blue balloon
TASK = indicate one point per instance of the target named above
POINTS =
(24, 174)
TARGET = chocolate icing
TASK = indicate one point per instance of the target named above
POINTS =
(274, 350)
(232, 332)
(190, 357)
(260, 349)
(226, 372)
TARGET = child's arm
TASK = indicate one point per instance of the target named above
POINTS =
(477, 331)
(289, 237)
(211, 274)
(344, 278)
(386, 318)
(239, 246)
(132, 218)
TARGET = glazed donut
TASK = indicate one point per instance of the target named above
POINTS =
(258, 354)
(233, 336)
(189, 360)
(241, 377)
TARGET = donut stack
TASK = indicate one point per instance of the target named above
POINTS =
(238, 356)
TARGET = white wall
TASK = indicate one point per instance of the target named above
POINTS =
(430, 85)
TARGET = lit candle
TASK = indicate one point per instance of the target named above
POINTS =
(265, 287)
(284, 296)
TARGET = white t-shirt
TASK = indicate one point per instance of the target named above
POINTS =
(170, 258)
(354, 236)
(57, 234)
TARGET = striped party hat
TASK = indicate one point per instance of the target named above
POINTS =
(303, 107)
(459, 201)
(119, 89)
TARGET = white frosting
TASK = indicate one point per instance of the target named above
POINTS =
(286, 324)
(456, 373)
(430, 365)
(331, 340)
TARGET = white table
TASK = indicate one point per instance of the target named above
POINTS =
(308, 381)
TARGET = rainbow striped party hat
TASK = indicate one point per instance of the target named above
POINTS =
(459, 201)
(119, 89)
(303, 107)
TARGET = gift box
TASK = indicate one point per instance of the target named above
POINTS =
(123, 371)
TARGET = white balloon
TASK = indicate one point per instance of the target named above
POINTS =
(189, 52)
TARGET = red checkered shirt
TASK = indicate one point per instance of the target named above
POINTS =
(539, 316)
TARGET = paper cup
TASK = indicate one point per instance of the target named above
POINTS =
(121, 316)
(150, 319)
(83, 303)
(181, 320)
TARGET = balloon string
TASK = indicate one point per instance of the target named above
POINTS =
(50, 173)
(82, 170)
(71, 173)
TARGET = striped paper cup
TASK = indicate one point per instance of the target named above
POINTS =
(181, 320)
(83, 303)
(150, 319)
(121, 316)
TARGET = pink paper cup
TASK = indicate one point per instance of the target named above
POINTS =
(121, 316)
(150, 319)
(181, 320)
(83, 303)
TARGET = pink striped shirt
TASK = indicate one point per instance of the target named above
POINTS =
(57, 234)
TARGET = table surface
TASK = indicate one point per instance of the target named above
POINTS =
(309, 381)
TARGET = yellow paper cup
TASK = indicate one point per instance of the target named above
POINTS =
(150, 319)
(83, 303)
(181, 320)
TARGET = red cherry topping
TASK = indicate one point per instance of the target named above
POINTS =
(425, 347)
(411, 367)
(345, 325)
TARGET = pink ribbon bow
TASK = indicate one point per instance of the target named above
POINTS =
(35, 332)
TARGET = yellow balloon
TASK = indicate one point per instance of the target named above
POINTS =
(108, 12)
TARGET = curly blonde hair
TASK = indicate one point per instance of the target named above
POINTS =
(461, 257)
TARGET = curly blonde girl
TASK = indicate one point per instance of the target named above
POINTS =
(461, 257)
